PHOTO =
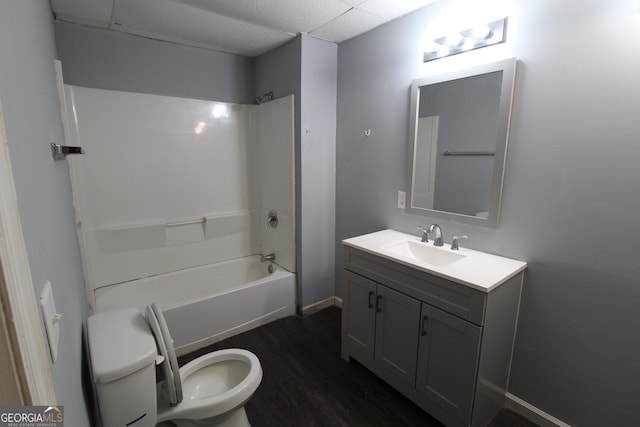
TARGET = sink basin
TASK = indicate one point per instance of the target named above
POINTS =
(421, 252)
(476, 269)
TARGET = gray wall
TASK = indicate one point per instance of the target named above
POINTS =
(318, 169)
(306, 67)
(32, 118)
(571, 198)
(94, 57)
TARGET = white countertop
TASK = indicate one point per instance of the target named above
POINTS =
(478, 270)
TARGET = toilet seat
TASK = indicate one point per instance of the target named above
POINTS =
(191, 390)
(168, 382)
(168, 342)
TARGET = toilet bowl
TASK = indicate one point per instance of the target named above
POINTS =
(215, 387)
(137, 381)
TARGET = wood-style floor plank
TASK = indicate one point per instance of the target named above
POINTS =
(306, 382)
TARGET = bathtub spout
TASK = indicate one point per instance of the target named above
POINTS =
(270, 257)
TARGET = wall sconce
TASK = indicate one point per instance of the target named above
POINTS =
(464, 41)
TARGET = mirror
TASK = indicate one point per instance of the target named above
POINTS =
(458, 142)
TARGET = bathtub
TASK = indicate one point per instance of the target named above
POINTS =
(206, 304)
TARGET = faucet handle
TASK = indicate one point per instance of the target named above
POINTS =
(425, 234)
(454, 242)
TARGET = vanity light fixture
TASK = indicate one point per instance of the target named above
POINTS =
(473, 38)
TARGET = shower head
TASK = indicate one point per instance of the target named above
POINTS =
(266, 97)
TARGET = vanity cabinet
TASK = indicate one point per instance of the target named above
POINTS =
(447, 361)
(444, 345)
(382, 325)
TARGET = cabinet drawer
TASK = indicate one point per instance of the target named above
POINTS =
(454, 298)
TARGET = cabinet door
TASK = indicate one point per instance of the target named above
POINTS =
(360, 315)
(447, 361)
(397, 326)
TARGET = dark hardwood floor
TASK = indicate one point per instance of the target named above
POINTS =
(306, 382)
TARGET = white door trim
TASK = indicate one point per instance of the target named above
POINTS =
(22, 307)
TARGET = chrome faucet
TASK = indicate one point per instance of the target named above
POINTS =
(437, 240)
(270, 257)
(425, 236)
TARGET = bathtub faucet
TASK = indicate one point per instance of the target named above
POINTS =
(270, 257)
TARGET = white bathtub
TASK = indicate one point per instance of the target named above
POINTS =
(206, 304)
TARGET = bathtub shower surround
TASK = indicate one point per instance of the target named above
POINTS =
(171, 184)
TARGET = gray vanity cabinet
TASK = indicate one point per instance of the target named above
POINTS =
(396, 344)
(444, 345)
(359, 322)
(448, 361)
(382, 325)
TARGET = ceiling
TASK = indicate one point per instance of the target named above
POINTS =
(244, 27)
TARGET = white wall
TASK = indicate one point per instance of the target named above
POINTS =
(275, 186)
(170, 183)
(32, 118)
(571, 199)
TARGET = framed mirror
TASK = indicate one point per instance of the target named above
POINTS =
(459, 129)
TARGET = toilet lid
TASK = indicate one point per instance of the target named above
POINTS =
(168, 342)
(165, 366)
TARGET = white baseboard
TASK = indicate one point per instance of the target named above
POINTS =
(532, 413)
(338, 302)
(319, 305)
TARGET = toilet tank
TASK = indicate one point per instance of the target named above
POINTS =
(122, 355)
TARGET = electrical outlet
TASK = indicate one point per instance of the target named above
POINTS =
(402, 197)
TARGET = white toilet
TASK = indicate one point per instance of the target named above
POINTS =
(137, 381)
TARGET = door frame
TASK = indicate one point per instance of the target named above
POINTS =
(20, 307)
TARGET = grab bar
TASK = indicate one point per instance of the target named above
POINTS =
(187, 222)
(468, 153)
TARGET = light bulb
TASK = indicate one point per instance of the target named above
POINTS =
(482, 32)
(443, 51)
(469, 44)
(454, 39)
(431, 47)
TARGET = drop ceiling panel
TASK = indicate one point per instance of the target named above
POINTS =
(292, 16)
(348, 25)
(392, 9)
(353, 2)
(168, 20)
(244, 27)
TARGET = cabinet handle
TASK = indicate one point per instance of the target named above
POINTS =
(424, 325)
(370, 303)
(378, 308)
